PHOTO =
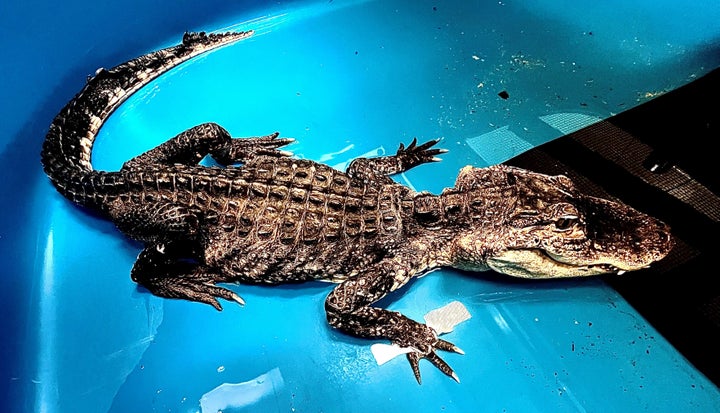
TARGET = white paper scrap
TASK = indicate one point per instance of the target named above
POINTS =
(444, 319)
(386, 352)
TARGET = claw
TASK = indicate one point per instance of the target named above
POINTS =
(455, 377)
(433, 152)
(212, 301)
(271, 136)
(428, 144)
(277, 142)
(240, 301)
(210, 297)
(197, 290)
(414, 359)
(441, 365)
(448, 346)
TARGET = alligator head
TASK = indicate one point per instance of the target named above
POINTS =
(532, 225)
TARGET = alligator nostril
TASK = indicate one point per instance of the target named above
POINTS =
(669, 238)
(665, 241)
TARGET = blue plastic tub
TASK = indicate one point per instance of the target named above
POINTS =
(346, 79)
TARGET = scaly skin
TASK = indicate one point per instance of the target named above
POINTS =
(276, 219)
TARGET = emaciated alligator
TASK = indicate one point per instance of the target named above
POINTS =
(276, 219)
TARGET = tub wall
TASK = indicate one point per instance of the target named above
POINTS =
(47, 50)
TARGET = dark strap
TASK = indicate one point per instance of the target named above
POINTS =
(659, 158)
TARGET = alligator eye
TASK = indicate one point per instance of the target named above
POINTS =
(564, 224)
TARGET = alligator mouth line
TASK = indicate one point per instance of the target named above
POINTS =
(605, 267)
(539, 264)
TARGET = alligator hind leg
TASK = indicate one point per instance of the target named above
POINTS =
(403, 160)
(191, 146)
(167, 271)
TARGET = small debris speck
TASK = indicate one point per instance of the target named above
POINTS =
(504, 94)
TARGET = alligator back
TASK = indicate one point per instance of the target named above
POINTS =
(272, 208)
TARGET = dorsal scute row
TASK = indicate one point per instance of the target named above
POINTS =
(292, 200)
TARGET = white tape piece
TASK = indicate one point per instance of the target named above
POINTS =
(386, 352)
(442, 320)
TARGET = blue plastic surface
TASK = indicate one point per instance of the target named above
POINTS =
(346, 79)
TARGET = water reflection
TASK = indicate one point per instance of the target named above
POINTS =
(238, 395)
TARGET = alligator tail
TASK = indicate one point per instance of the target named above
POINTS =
(66, 152)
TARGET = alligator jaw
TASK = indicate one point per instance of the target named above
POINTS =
(536, 264)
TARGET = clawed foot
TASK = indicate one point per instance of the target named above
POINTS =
(265, 145)
(424, 341)
(416, 154)
(192, 288)
(244, 149)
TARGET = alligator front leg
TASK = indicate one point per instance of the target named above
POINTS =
(191, 146)
(349, 309)
(168, 270)
(406, 158)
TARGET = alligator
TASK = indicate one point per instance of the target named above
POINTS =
(263, 216)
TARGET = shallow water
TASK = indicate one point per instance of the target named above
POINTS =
(349, 79)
